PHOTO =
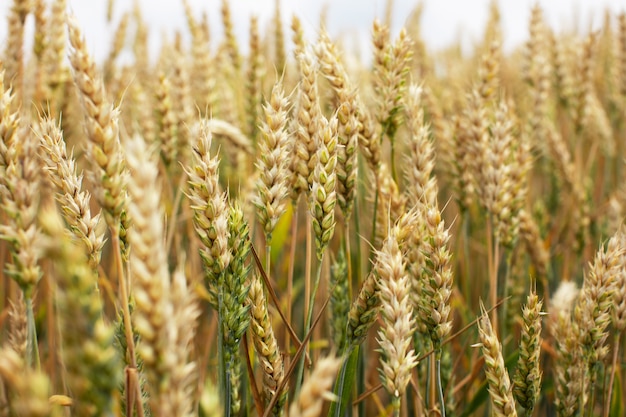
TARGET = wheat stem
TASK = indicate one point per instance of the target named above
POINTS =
(32, 347)
(438, 386)
(609, 395)
(290, 273)
(307, 323)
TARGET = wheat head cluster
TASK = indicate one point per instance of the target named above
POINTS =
(300, 231)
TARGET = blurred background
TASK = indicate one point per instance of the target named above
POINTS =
(444, 22)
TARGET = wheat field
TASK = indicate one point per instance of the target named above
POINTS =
(292, 231)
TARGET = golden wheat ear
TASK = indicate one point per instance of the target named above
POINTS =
(266, 345)
(316, 389)
(397, 357)
(503, 404)
(273, 164)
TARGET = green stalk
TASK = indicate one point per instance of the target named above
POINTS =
(360, 356)
(396, 403)
(268, 255)
(466, 255)
(290, 273)
(307, 324)
(357, 223)
(32, 348)
(438, 386)
(346, 243)
(394, 175)
(224, 381)
(507, 276)
(382, 136)
(492, 261)
(374, 218)
(344, 383)
(361, 380)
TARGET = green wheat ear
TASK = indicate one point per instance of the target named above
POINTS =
(88, 341)
(234, 318)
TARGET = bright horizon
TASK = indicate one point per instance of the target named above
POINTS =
(443, 22)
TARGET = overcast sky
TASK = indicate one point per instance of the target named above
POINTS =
(443, 21)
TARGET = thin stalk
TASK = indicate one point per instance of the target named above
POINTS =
(175, 213)
(307, 324)
(360, 374)
(430, 400)
(467, 289)
(373, 238)
(494, 291)
(492, 260)
(274, 297)
(361, 381)
(256, 396)
(507, 275)
(138, 394)
(607, 405)
(307, 267)
(268, 255)
(357, 222)
(224, 380)
(51, 364)
(32, 348)
(296, 357)
(348, 258)
(357, 228)
(438, 386)
(133, 393)
(394, 175)
(128, 330)
(292, 266)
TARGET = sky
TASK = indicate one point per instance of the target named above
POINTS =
(443, 21)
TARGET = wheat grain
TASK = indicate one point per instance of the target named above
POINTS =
(500, 393)
(266, 346)
(28, 389)
(324, 179)
(102, 131)
(210, 209)
(527, 379)
(87, 340)
(307, 119)
(75, 202)
(316, 389)
(394, 338)
(273, 164)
